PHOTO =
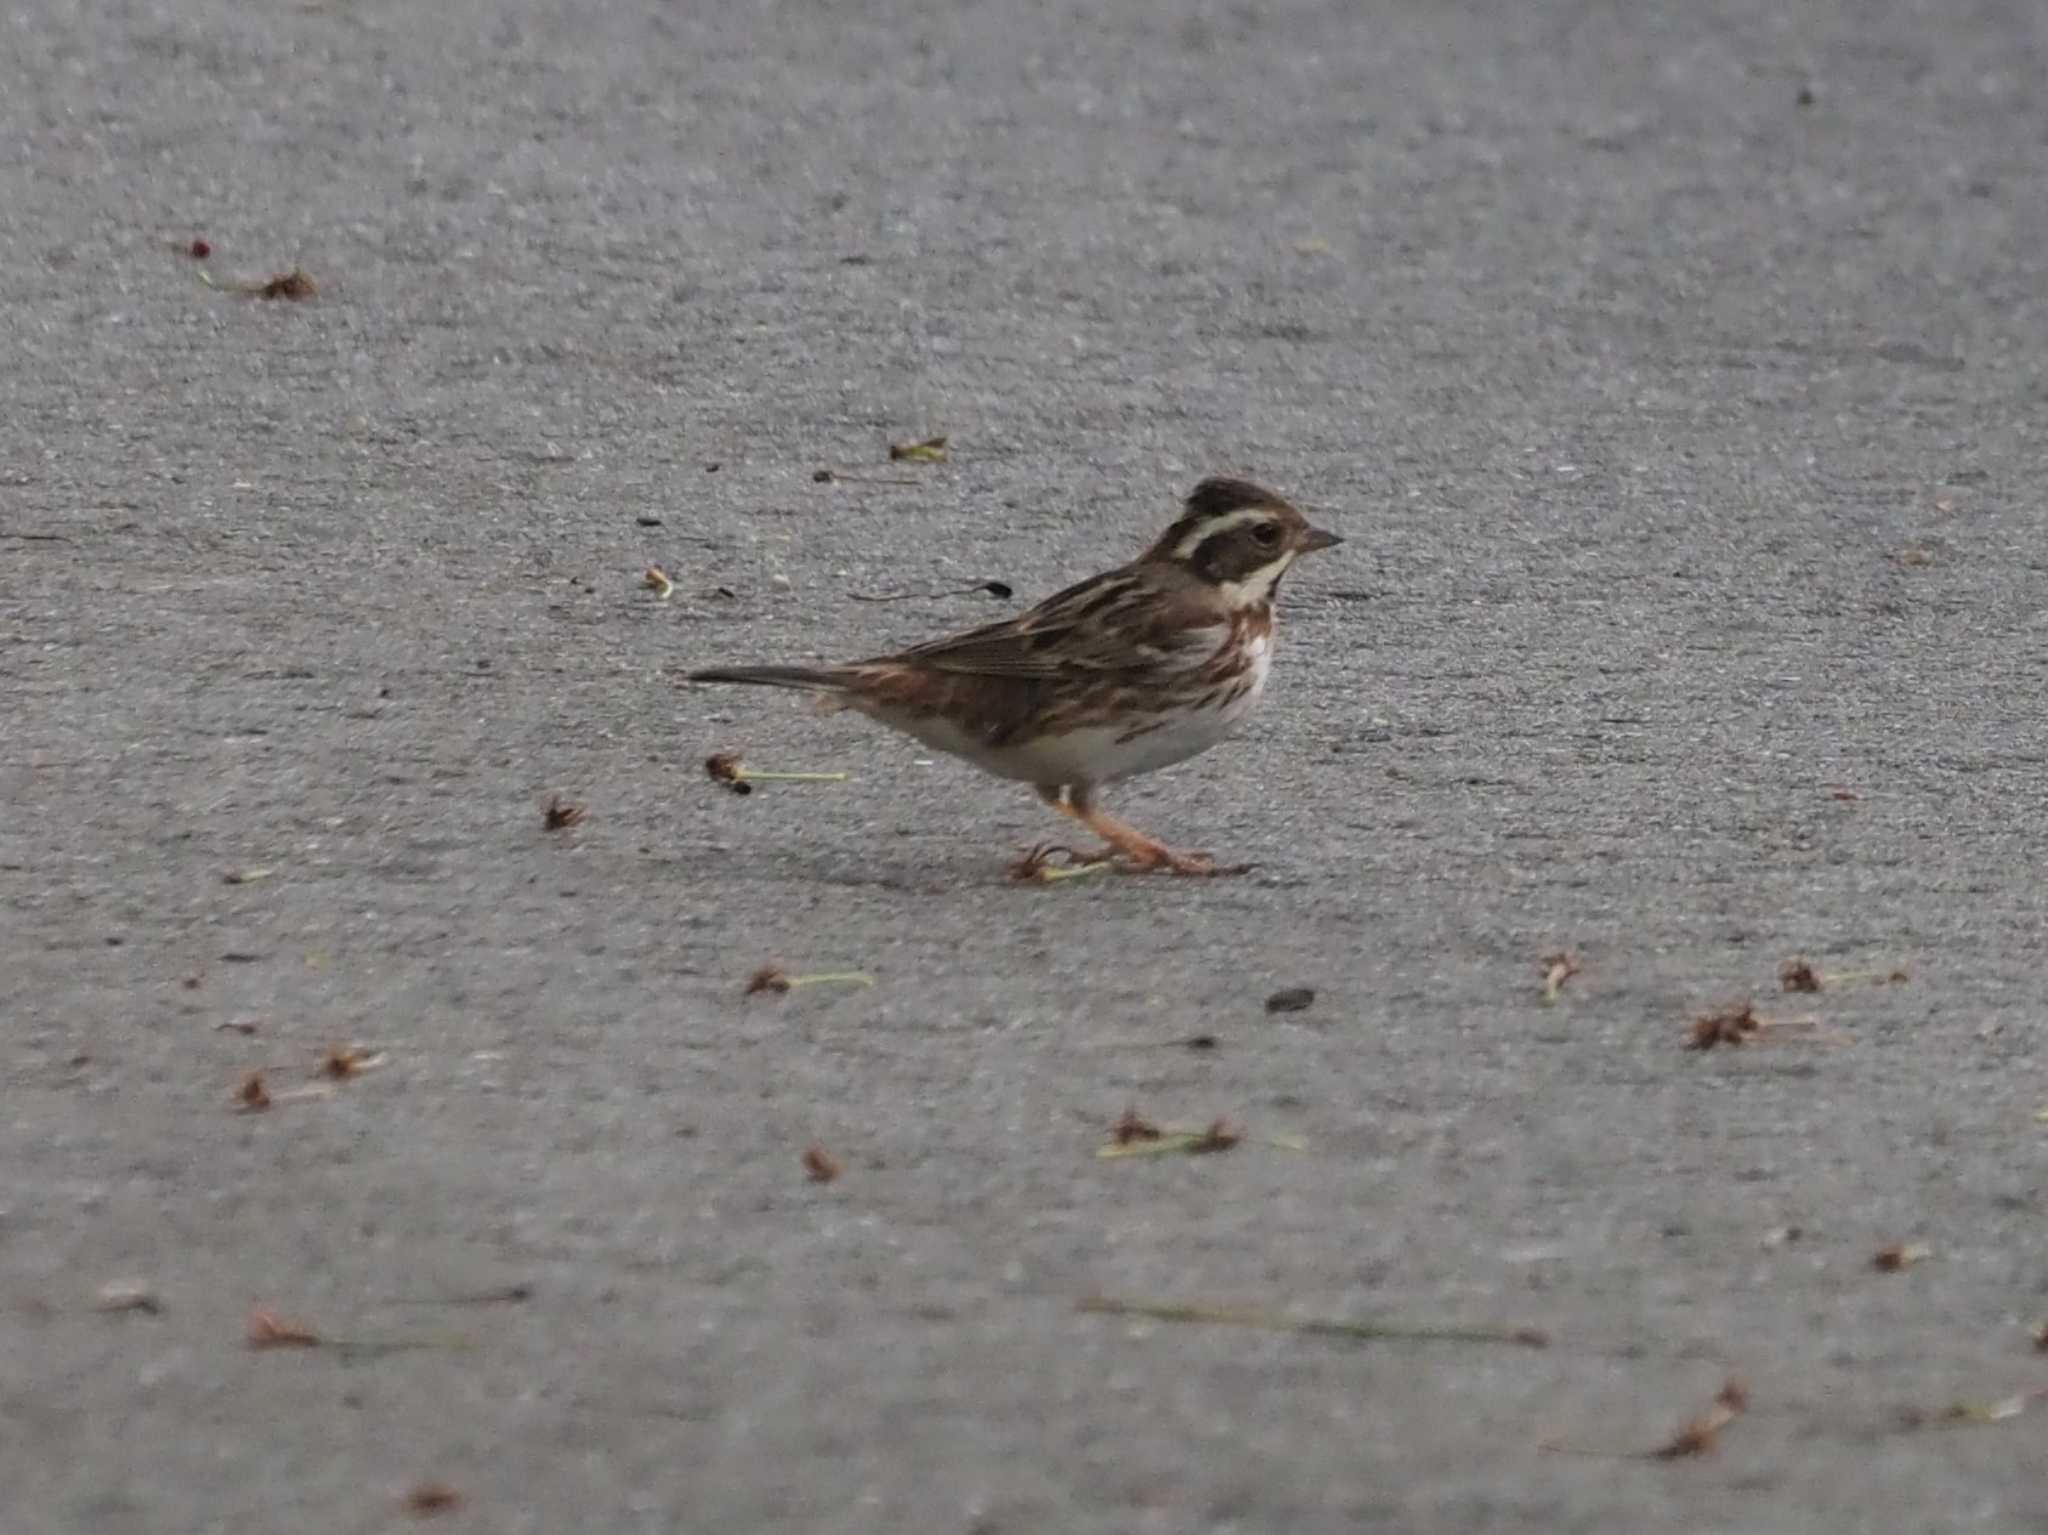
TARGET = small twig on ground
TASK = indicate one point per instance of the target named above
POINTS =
(1281, 1321)
(1744, 1026)
(1036, 864)
(932, 450)
(1698, 1436)
(993, 588)
(266, 1329)
(1899, 1256)
(1799, 975)
(295, 284)
(1135, 1136)
(727, 768)
(774, 978)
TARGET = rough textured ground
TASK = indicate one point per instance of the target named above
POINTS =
(1678, 374)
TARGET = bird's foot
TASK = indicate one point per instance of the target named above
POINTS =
(1158, 858)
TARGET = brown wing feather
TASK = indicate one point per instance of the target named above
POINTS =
(1081, 630)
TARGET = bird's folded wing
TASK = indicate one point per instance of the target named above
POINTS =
(1094, 627)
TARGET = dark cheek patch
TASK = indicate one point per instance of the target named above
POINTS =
(1229, 556)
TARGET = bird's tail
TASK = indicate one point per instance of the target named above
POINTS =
(775, 677)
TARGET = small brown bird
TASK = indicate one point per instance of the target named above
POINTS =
(1135, 669)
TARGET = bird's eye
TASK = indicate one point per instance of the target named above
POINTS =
(1266, 534)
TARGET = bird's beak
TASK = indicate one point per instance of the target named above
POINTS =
(1318, 539)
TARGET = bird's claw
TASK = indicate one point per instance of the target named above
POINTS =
(1199, 865)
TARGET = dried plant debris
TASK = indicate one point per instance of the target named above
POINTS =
(266, 1329)
(559, 815)
(820, 1166)
(656, 580)
(724, 767)
(930, 450)
(2039, 1333)
(1283, 1321)
(993, 588)
(246, 876)
(253, 1094)
(1900, 1255)
(729, 769)
(1045, 863)
(835, 476)
(344, 1061)
(128, 1295)
(774, 978)
(1133, 1135)
(1799, 975)
(1221, 1135)
(1133, 1126)
(1292, 999)
(497, 1295)
(1743, 1025)
(295, 285)
(1698, 1436)
(431, 1499)
(1557, 969)
(1965, 1414)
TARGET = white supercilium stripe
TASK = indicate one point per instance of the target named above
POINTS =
(1190, 542)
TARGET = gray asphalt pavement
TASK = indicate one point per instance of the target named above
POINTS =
(1677, 374)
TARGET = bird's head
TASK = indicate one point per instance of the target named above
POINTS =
(1240, 539)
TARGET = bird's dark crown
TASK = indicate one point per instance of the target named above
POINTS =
(1215, 501)
(1219, 496)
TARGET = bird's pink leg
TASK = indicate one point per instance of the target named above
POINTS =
(1140, 853)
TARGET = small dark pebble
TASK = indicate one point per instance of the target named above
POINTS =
(821, 477)
(1295, 999)
(1200, 1042)
(996, 588)
(200, 250)
(713, 468)
(648, 522)
(1805, 97)
(727, 592)
(740, 787)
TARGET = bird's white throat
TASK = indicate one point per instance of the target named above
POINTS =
(1256, 589)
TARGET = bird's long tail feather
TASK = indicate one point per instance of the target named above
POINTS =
(774, 677)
